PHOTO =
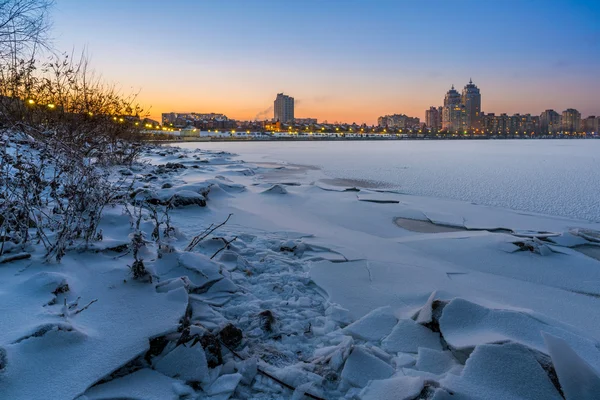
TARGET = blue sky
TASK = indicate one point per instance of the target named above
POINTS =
(341, 60)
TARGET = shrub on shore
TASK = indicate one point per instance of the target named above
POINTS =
(60, 125)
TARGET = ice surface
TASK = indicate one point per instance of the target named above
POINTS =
(508, 372)
(398, 388)
(436, 361)
(362, 367)
(187, 363)
(111, 332)
(465, 325)
(329, 294)
(373, 326)
(507, 173)
(407, 336)
(145, 384)
(223, 387)
(578, 380)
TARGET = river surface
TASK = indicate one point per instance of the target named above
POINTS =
(554, 177)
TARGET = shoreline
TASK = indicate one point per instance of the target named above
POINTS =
(332, 139)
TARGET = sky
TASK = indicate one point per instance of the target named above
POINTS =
(342, 60)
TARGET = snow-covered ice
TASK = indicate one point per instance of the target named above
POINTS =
(310, 288)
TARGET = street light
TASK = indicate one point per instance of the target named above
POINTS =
(51, 106)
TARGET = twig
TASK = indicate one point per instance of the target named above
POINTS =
(14, 257)
(86, 307)
(204, 235)
(224, 247)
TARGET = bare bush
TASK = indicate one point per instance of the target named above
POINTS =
(51, 198)
(63, 100)
(24, 26)
(60, 125)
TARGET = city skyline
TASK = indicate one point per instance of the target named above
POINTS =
(341, 61)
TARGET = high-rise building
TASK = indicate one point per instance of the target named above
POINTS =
(454, 118)
(550, 122)
(452, 97)
(284, 108)
(571, 120)
(471, 98)
(453, 112)
(433, 118)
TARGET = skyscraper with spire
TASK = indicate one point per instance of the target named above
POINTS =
(453, 112)
(452, 97)
(460, 112)
(471, 98)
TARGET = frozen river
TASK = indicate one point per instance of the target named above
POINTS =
(555, 177)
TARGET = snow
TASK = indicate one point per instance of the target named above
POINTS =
(465, 325)
(373, 326)
(223, 387)
(508, 372)
(112, 331)
(362, 367)
(533, 176)
(436, 362)
(145, 384)
(407, 336)
(186, 363)
(400, 388)
(331, 295)
(577, 378)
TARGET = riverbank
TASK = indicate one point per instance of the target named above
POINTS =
(306, 287)
(293, 138)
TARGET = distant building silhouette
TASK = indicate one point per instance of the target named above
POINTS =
(454, 113)
(284, 108)
(471, 98)
(433, 118)
(591, 124)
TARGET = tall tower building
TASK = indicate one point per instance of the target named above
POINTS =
(453, 112)
(471, 98)
(452, 97)
(284, 108)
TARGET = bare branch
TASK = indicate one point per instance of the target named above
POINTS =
(197, 239)
(227, 243)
